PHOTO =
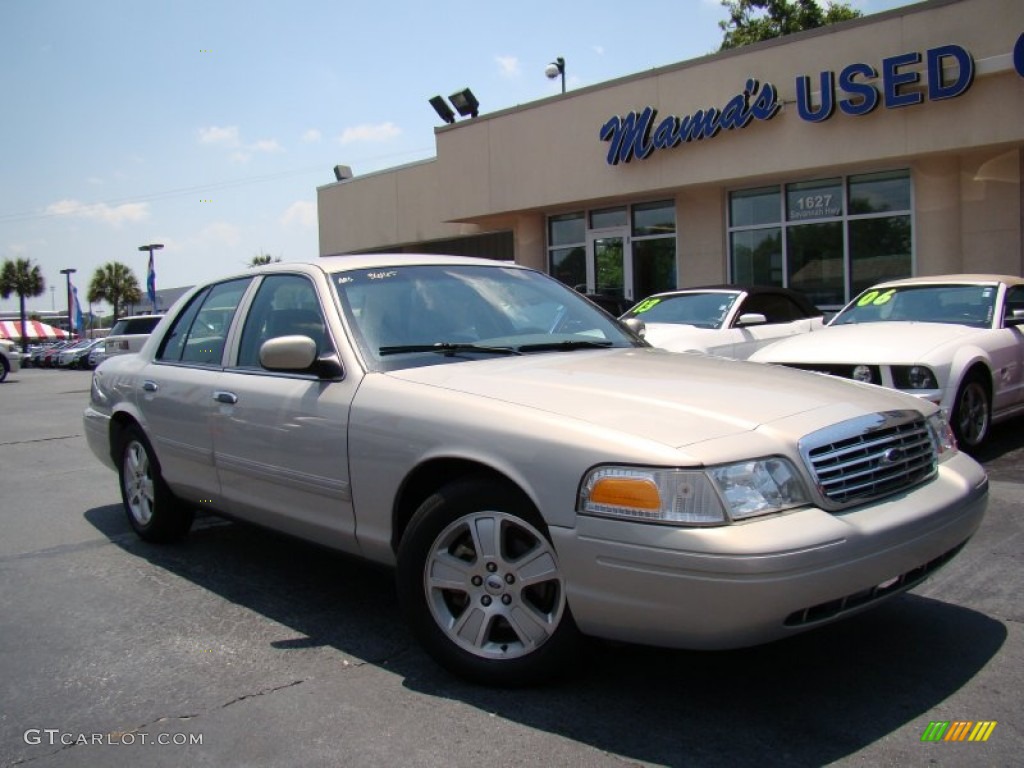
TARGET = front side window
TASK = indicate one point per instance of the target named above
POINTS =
(284, 305)
(200, 330)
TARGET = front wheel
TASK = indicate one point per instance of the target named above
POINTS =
(972, 413)
(481, 586)
(153, 511)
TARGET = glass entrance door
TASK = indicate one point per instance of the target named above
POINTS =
(609, 271)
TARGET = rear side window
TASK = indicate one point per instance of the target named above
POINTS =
(135, 325)
(200, 330)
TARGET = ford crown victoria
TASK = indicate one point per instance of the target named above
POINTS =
(532, 470)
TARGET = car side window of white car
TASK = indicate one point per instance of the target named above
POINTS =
(198, 334)
(284, 305)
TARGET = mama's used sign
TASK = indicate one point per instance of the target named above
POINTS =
(857, 89)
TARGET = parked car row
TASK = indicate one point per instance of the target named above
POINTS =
(955, 340)
(532, 469)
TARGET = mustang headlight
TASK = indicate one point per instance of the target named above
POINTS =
(716, 496)
(913, 377)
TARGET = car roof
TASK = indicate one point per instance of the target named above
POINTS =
(967, 278)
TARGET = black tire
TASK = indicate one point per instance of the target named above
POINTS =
(972, 413)
(5, 368)
(153, 511)
(491, 609)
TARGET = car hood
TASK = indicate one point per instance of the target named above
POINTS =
(674, 399)
(868, 343)
(678, 336)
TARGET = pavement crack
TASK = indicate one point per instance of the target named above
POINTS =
(41, 440)
(264, 692)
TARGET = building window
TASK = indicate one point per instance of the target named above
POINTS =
(829, 238)
(654, 248)
(567, 248)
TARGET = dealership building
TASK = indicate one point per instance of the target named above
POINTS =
(825, 161)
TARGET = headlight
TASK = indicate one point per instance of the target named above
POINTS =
(913, 377)
(716, 496)
(863, 373)
(942, 434)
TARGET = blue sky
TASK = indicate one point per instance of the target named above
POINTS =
(208, 125)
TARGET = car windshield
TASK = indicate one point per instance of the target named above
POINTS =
(971, 305)
(702, 310)
(423, 315)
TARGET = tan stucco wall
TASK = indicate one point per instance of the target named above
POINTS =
(510, 169)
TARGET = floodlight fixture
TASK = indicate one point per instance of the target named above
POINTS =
(465, 102)
(342, 172)
(555, 69)
(443, 110)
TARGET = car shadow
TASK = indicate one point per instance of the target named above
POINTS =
(1002, 453)
(810, 700)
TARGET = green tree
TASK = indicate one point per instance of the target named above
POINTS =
(751, 21)
(115, 284)
(22, 277)
(263, 258)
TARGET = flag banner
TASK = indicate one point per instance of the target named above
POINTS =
(151, 281)
(76, 316)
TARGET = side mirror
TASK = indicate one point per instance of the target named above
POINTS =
(751, 318)
(636, 325)
(297, 354)
(288, 353)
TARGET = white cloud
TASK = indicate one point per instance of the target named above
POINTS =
(312, 136)
(114, 215)
(266, 145)
(599, 49)
(366, 132)
(509, 65)
(227, 136)
(301, 213)
(220, 233)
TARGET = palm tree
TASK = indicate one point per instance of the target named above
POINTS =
(115, 284)
(22, 277)
(262, 258)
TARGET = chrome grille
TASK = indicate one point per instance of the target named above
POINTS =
(870, 457)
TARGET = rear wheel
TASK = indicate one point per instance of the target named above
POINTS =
(153, 511)
(481, 586)
(972, 413)
(4, 369)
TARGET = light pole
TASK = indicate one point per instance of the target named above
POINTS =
(555, 69)
(151, 271)
(67, 274)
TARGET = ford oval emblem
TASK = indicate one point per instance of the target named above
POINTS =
(892, 455)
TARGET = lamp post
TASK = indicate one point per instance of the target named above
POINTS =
(67, 274)
(555, 69)
(151, 271)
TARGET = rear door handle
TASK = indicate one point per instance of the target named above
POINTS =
(225, 397)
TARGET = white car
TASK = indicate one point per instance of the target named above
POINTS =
(955, 340)
(127, 336)
(727, 321)
(10, 358)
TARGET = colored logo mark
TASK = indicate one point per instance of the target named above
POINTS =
(958, 730)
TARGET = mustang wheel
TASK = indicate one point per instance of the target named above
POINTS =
(971, 413)
(152, 510)
(481, 586)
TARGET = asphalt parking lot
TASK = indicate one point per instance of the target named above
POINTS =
(240, 647)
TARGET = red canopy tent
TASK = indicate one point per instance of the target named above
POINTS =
(35, 330)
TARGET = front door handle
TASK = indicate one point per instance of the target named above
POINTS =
(149, 386)
(225, 397)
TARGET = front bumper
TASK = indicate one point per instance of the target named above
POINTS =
(746, 584)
